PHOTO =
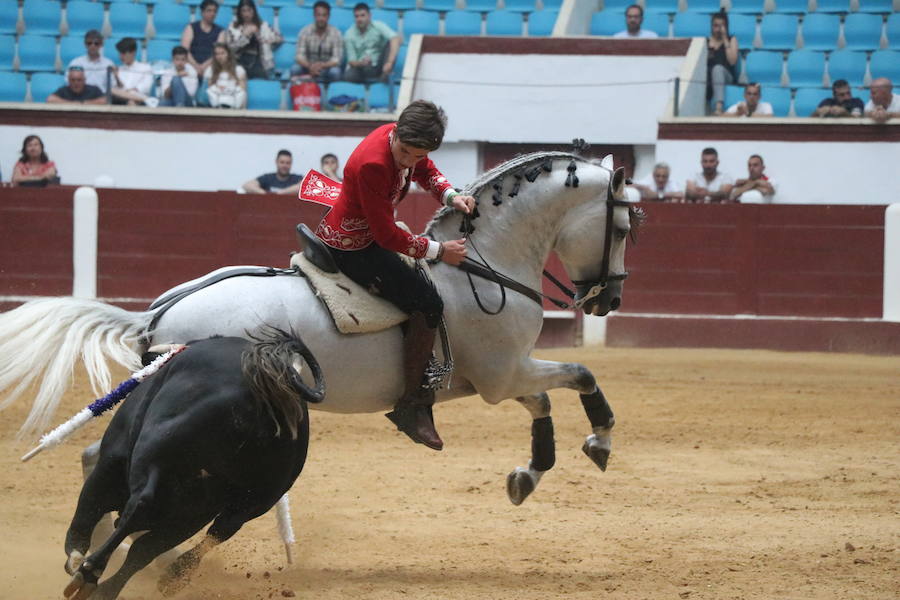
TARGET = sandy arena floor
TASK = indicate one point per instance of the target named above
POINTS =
(735, 474)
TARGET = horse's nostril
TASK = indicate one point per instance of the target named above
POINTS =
(614, 305)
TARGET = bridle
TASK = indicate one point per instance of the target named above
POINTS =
(586, 289)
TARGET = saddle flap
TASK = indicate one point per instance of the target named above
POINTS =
(314, 249)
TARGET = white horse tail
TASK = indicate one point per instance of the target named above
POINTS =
(42, 340)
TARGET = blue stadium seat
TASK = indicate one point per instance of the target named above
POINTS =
(833, 6)
(704, 7)
(44, 84)
(607, 22)
(520, 6)
(747, 7)
(291, 19)
(552, 4)
(37, 53)
(341, 18)
(266, 13)
(743, 27)
(169, 20)
(481, 5)
(128, 20)
(388, 17)
(263, 94)
(397, 5)
(439, 5)
(70, 47)
(12, 87)
(778, 32)
(160, 50)
(284, 59)
(192, 3)
(885, 63)
(343, 88)
(226, 15)
(764, 67)
(797, 7)
(807, 100)
(420, 21)
(83, 16)
(617, 5)
(733, 95)
(876, 6)
(229, 3)
(820, 31)
(893, 31)
(379, 98)
(460, 22)
(779, 98)
(9, 17)
(541, 22)
(806, 68)
(41, 17)
(657, 23)
(280, 3)
(862, 31)
(849, 65)
(7, 52)
(691, 24)
(660, 6)
(400, 62)
(502, 22)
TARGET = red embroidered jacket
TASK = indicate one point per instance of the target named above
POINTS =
(372, 188)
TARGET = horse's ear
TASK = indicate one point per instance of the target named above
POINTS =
(607, 162)
(618, 183)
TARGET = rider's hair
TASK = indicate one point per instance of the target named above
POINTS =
(422, 125)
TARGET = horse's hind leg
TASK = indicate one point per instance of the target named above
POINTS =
(521, 482)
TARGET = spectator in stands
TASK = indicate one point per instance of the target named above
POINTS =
(371, 47)
(884, 103)
(634, 18)
(227, 81)
(757, 188)
(282, 181)
(76, 90)
(330, 166)
(33, 167)
(200, 36)
(179, 83)
(251, 39)
(133, 79)
(95, 66)
(320, 47)
(710, 184)
(660, 185)
(750, 106)
(721, 60)
(841, 104)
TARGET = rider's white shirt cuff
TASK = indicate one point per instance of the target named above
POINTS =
(433, 248)
(448, 196)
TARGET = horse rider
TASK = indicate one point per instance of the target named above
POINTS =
(362, 235)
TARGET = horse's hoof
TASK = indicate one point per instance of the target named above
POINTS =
(78, 588)
(74, 562)
(519, 485)
(597, 450)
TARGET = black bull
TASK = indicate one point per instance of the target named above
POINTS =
(219, 434)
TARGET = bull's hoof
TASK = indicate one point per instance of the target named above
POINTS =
(519, 485)
(597, 449)
(79, 588)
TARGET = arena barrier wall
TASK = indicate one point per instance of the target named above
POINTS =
(762, 276)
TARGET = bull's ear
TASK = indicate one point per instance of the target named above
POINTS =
(618, 183)
(607, 162)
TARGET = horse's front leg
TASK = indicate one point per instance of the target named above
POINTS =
(545, 375)
(522, 481)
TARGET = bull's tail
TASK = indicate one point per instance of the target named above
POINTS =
(271, 366)
(42, 340)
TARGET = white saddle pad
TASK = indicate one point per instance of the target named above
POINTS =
(352, 307)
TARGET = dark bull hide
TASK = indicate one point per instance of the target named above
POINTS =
(220, 432)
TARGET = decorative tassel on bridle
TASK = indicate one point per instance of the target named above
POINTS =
(101, 405)
(571, 178)
(497, 196)
(516, 184)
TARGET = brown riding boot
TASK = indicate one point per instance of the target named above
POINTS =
(412, 413)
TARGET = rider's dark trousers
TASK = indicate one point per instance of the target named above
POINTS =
(384, 273)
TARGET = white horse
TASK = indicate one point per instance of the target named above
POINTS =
(528, 207)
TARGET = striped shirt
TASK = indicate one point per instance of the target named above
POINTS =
(327, 48)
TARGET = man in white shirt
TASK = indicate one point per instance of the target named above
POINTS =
(884, 103)
(132, 79)
(634, 18)
(757, 188)
(660, 186)
(179, 82)
(709, 185)
(96, 67)
(751, 105)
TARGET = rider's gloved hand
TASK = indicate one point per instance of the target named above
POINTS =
(453, 251)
